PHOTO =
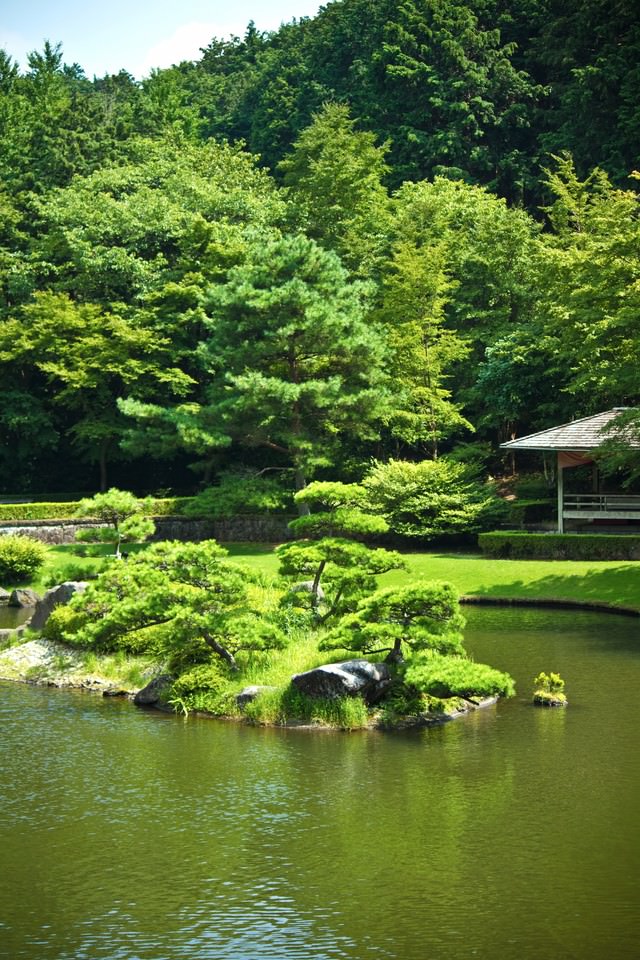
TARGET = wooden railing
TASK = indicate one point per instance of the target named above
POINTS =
(601, 503)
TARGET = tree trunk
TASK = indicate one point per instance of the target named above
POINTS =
(395, 655)
(222, 652)
(315, 602)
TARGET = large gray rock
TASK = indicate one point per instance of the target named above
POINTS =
(52, 598)
(4, 596)
(347, 679)
(23, 597)
(150, 695)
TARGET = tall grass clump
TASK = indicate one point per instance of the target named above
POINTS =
(290, 706)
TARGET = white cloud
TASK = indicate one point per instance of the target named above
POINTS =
(185, 43)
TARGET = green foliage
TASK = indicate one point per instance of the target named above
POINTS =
(548, 689)
(342, 509)
(240, 492)
(431, 498)
(37, 511)
(589, 272)
(334, 175)
(289, 706)
(559, 546)
(294, 365)
(123, 513)
(415, 289)
(63, 624)
(335, 571)
(187, 601)
(619, 453)
(425, 617)
(330, 575)
(447, 676)
(20, 558)
(203, 687)
(74, 570)
(550, 683)
(164, 507)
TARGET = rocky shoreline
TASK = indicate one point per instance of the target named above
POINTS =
(48, 663)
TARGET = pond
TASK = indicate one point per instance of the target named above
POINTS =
(11, 617)
(132, 835)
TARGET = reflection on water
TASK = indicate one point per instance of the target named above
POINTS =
(509, 834)
(11, 617)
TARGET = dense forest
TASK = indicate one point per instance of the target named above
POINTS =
(396, 229)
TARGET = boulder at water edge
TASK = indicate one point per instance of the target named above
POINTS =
(349, 678)
(24, 597)
(52, 598)
(150, 695)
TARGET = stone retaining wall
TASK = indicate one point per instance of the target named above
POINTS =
(253, 529)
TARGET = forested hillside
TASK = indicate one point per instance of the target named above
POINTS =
(398, 229)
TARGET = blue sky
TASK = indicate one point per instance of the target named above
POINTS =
(135, 35)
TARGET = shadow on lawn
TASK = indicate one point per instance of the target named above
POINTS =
(618, 586)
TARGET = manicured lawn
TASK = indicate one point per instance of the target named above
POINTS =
(604, 581)
(608, 581)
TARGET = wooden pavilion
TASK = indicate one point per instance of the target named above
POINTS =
(574, 445)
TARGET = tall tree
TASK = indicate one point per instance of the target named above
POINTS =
(292, 363)
(590, 273)
(335, 179)
(415, 291)
(89, 357)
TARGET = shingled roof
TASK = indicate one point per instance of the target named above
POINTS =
(580, 435)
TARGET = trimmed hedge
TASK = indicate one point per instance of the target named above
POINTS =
(515, 545)
(24, 512)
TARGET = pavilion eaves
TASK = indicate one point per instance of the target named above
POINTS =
(579, 436)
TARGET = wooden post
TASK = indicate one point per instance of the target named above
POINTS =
(560, 497)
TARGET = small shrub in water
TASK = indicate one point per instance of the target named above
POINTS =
(548, 690)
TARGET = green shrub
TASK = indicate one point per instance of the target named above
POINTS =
(442, 676)
(62, 624)
(205, 676)
(239, 492)
(25, 512)
(516, 545)
(205, 688)
(534, 486)
(524, 512)
(36, 511)
(431, 498)
(78, 570)
(548, 690)
(20, 558)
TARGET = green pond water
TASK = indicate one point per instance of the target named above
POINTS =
(512, 834)
(11, 617)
